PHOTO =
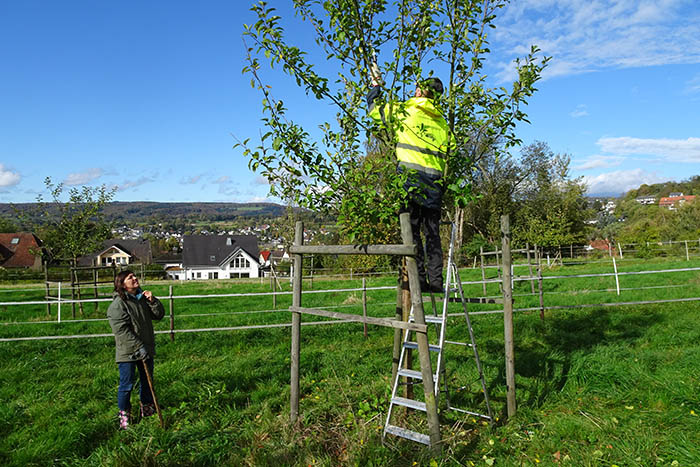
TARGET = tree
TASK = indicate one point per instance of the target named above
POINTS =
(338, 172)
(72, 228)
(546, 206)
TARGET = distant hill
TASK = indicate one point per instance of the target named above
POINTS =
(141, 211)
(690, 186)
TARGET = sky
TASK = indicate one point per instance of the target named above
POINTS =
(149, 98)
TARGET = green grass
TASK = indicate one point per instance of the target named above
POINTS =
(595, 386)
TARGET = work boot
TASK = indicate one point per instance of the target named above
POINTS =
(124, 418)
(147, 410)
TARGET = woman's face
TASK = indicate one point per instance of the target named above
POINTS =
(131, 283)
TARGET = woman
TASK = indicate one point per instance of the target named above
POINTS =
(130, 316)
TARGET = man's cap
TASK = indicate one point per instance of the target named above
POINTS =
(432, 84)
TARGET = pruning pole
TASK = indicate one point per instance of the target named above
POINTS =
(153, 393)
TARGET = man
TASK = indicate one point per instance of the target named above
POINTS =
(422, 139)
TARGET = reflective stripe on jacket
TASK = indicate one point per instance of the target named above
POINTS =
(422, 140)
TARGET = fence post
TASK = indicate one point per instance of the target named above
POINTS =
(72, 290)
(617, 279)
(364, 305)
(483, 273)
(529, 267)
(508, 316)
(48, 287)
(274, 295)
(172, 314)
(59, 301)
(421, 338)
(296, 324)
(539, 284)
(619, 247)
(398, 335)
(687, 256)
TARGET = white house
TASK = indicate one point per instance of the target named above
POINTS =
(220, 257)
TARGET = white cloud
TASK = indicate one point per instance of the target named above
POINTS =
(134, 183)
(580, 111)
(620, 181)
(260, 180)
(7, 177)
(599, 162)
(81, 178)
(677, 150)
(693, 86)
(259, 199)
(223, 179)
(588, 35)
(190, 180)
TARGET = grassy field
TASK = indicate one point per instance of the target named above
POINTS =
(595, 386)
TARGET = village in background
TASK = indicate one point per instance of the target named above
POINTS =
(210, 241)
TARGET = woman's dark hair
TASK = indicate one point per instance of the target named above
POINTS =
(119, 283)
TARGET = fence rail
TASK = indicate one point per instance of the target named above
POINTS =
(172, 298)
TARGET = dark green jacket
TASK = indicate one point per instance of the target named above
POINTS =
(131, 322)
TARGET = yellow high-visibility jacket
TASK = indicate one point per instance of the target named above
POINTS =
(422, 140)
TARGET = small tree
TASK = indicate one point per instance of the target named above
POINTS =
(340, 173)
(72, 228)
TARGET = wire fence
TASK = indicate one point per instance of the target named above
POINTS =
(171, 298)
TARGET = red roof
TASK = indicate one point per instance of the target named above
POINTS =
(16, 250)
(672, 200)
(265, 255)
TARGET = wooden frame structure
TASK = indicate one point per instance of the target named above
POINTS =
(407, 249)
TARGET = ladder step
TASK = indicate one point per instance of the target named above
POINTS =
(475, 300)
(414, 345)
(415, 374)
(410, 403)
(459, 343)
(408, 434)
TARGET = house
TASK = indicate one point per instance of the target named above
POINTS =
(20, 250)
(672, 202)
(220, 256)
(646, 200)
(120, 251)
(172, 264)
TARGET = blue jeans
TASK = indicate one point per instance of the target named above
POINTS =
(127, 379)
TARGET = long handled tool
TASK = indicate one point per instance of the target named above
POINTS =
(153, 393)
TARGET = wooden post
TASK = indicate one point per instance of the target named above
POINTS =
(398, 335)
(539, 283)
(619, 247)
(483, 273)
(72, 290)
(48, 287)
(272, 287)
(364, 305)
(296, 324)
(421, 338)
(94, 285)
(508, 316)
(617, 279)
(687, 255)
(172, 314)
(529, 267)
(406, 307)
(571, 251)
(498, 270)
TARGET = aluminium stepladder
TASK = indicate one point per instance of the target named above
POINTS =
(453, 293)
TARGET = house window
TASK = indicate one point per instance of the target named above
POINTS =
(216, 275)
(239, 262)
(199, 275)
(213, 275)
(212, 258)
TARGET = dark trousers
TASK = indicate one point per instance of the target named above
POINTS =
(427, 220)
(127, 380)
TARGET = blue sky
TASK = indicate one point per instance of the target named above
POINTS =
(145, 96)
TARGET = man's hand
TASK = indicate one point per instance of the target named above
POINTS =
(148, 294)
(376, 75)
